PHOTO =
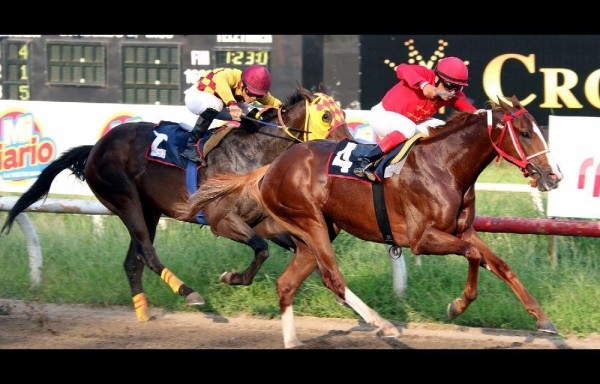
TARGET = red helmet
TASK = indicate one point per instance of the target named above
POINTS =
(257, 79)
(453, 70)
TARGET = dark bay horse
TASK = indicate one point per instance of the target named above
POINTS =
(139, 191)
(430, 205)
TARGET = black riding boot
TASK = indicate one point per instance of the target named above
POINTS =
(204, 121)
(366, 164)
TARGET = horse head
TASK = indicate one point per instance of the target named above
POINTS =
(526, 148)
(327, 120)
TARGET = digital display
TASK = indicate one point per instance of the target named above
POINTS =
(241, 58)
(16, 71)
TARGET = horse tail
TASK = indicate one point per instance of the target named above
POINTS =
(225, 184)
(74, 160)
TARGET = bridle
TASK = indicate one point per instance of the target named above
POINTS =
(523, 162)
(319, 103)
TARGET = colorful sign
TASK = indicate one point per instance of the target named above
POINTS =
(24, 150)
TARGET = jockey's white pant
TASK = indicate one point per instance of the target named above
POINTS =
(199, 101)
(383, 122)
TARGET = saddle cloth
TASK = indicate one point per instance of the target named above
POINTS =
(345, 159)
(171, 139)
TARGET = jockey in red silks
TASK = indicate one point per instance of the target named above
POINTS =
(222, 87)
(413, 100)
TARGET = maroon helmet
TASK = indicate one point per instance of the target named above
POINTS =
(257, 79)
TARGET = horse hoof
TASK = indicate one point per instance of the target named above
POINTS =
(294, 344)
(232, 278)
(388, 331)
(452, 311)
(226, 277)
(547, 326)
(341, 301)
(194, 298)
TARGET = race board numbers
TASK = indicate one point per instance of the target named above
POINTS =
(241, 58)
(16, 70)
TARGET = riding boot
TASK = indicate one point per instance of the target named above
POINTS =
(202, 124)
(364, 169)
(389, 142)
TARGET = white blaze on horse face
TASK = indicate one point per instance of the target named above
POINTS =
(549, 158)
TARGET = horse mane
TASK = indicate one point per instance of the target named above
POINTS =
(290, 100)
(460, 119)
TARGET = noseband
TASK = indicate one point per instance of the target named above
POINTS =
(523, 162)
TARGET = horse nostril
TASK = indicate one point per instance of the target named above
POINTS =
(554, 176)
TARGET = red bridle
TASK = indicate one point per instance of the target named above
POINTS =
(524, 160)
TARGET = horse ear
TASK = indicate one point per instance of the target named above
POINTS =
(322, 88)
(504, 106)
(306, 93)
(516, 103)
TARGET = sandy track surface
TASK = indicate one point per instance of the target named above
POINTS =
(32, 325)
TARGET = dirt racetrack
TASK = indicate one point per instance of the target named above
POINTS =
(32, 325)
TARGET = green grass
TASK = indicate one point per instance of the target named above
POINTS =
(84, 264)
(502, 172)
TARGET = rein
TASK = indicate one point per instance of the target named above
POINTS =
(523, 162)
(285, 128)
(319, 105)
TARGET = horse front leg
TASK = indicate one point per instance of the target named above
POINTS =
(436, 242)
(233, 227)
(501, 269)
(261, 253)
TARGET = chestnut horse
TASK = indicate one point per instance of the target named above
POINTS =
(430, 205)
(139, 191)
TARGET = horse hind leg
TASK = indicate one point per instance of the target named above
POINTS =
(134, 269)
(141, 252)
(177, 285)
(332, 278)
(303, 263)
(385, 327)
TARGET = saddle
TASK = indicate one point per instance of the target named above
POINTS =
(348, 153)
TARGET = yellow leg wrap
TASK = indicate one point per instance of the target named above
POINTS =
(171, 279)
(141, 307)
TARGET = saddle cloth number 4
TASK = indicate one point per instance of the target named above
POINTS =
(342, 158)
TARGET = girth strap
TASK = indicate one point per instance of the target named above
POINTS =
(191, 180)
(381, 214)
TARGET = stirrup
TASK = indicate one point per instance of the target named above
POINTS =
(191, 154)
(365, 172)
(369, 174)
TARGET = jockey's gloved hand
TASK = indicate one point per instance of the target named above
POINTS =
(224, 115)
